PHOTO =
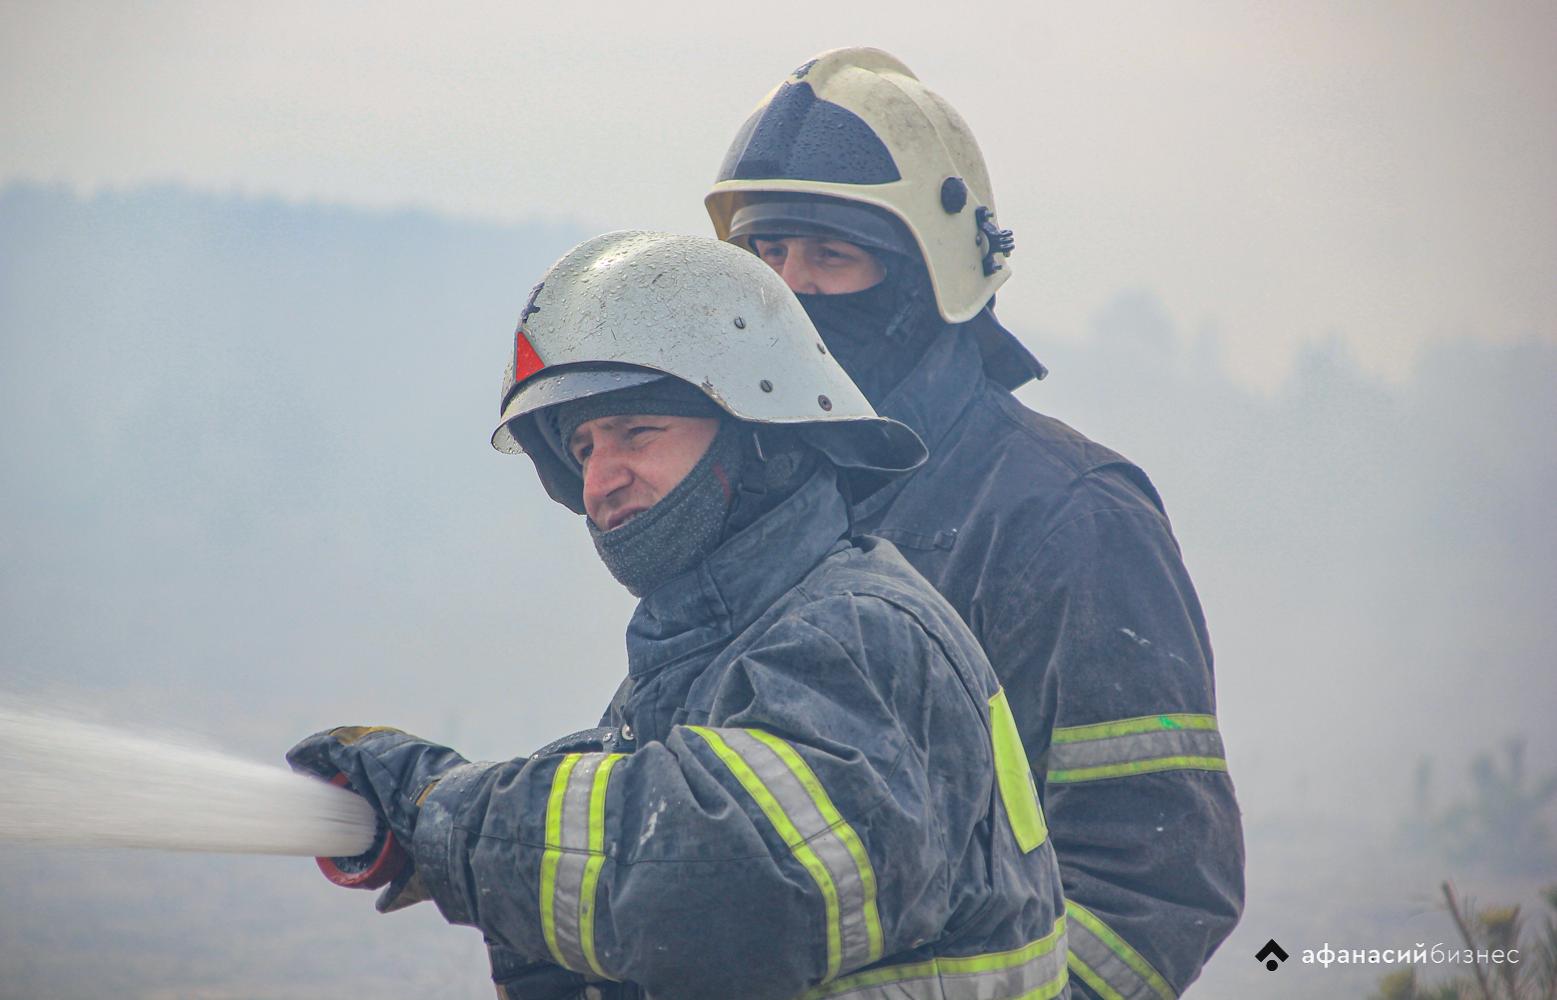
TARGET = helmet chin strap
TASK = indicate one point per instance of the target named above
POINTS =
(776, 463)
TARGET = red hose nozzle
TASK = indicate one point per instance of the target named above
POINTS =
(375, 867)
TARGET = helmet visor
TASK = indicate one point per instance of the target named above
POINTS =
(563, 385)
(779, 216)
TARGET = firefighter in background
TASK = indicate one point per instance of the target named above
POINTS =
(867, 192)
(814, 786)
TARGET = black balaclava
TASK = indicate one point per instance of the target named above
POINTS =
(879, 334)
(730, 486)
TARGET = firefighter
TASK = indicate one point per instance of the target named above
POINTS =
(866, 191)
(814, 786)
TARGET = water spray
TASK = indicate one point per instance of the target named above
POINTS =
(65, 782)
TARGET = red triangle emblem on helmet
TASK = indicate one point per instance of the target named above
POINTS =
(526, 361)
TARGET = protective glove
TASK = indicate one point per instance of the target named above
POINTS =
(394, 771)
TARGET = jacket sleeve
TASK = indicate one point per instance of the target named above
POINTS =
(1129, 760)
(754, 840)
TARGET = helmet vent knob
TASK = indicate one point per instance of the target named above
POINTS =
(765, 385)
(740, 323)
(824, 402)
(954, 195)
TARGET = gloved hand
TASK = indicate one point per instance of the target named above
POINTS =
(393, 771)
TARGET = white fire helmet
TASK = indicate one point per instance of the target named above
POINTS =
(627, 308)
(855, 127)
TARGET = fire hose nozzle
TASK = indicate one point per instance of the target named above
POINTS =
(375, 867)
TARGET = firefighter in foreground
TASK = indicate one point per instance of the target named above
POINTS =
(815, 786)
(867, 192)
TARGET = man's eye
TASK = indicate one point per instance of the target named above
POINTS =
(641, 430)
(581, 453)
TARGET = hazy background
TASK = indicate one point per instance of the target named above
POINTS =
(259, 269)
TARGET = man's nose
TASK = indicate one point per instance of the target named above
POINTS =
(604, 474)
(797, 274)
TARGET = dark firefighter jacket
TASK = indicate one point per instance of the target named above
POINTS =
(825, 796)
(1058, 554)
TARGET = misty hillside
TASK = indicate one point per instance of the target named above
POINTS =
(246, 492)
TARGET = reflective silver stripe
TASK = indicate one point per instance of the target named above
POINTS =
(1035, 972)
(1135, 747)
(853, 900)
(1107, 963)
(575, 855)
(821, 840)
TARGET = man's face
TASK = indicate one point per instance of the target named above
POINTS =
(815, 265)
(630, 462)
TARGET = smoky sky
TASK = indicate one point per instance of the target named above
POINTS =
(1380, 172)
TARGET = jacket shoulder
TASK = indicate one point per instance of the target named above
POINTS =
(1047, 448)
(871, 572)
(1005, 477)
(869, 590)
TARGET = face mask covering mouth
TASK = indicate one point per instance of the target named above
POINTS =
(681, 530)
(878, 333)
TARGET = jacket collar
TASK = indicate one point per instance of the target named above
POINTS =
(1007, 360)
(939, 387)
(930, 400)
(741, 579)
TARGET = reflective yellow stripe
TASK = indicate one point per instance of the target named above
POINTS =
(1036, 971)
(1084, 972)
(1138, 767)
(1129, 727)
(1143, 745)
(842, 830)
(1015, 776)
(1106, 962)
(586, 905)
(553, 853)
(787, 832)
(794, 801)
(573, 859)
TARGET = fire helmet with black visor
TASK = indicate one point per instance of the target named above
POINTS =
(852, 146)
